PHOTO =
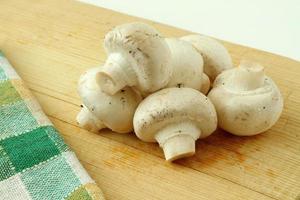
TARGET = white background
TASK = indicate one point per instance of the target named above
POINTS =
(270, 25)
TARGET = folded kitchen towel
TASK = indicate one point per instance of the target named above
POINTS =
(35, 163)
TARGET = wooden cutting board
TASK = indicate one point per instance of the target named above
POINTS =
(50, 43)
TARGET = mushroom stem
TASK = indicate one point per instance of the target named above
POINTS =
(88, 121)
(248, 76)
(178, 140)
(115, 74)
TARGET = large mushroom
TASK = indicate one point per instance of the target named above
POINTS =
(101, 110)
(175, 118)
(246, 100)
(215, 56)
(138, 56)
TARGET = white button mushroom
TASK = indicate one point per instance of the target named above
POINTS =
(88, 120)
(137, 56)
(247, 101)
(101, 110)
(175, 118)
(187, 64)
(215, 56)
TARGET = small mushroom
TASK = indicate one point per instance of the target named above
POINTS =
(175, 118)
(215, 56)
(101, 110)
(246, 100)
(187, 64)
(138, 56)
(87, 120)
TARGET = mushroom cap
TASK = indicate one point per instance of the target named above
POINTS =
(187, 64)
(205, 86)
(88, 121)
(242, 111)
(215, 56)
(115, 111)
(146, 50)
(174, 105)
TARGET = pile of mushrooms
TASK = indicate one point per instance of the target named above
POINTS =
(156, 86)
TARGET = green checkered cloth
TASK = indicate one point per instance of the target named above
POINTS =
(35, 163)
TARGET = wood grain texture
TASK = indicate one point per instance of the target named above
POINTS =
(50, 43)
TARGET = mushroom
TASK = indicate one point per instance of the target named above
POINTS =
(246, 100)
(215, 56)
(187, 64)
(87, 120)
(137, 56)
(205, 84)
(175, 118)
(101, 110)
